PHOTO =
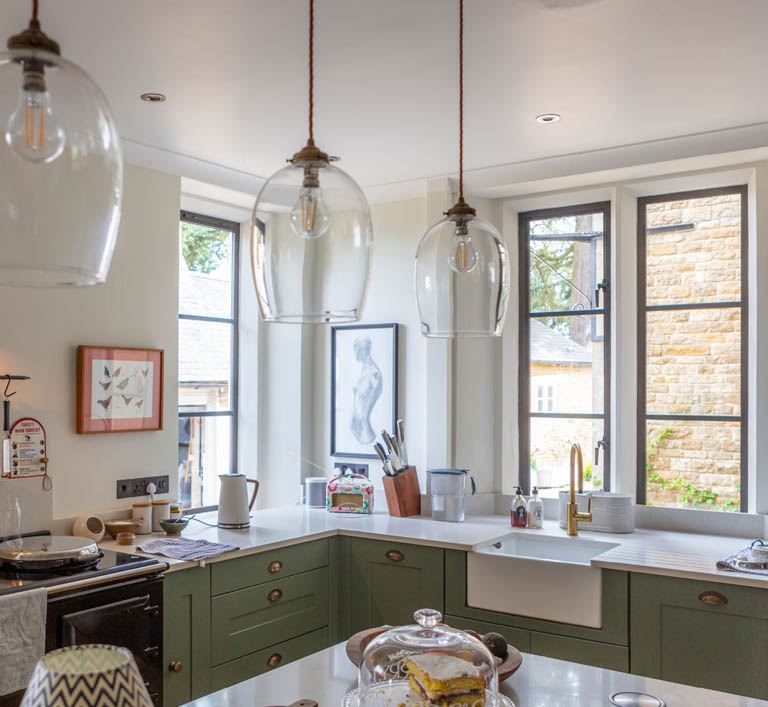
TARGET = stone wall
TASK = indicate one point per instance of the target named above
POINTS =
(694, 356)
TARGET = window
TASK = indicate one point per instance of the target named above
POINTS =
(208, 294)
(564, 345)
(692, 338)
(545, 395)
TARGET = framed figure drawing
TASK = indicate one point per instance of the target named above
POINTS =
(363, 387)
(119, 389)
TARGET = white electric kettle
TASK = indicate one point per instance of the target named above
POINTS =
(234, 506)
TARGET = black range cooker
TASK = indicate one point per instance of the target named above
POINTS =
(111, 597)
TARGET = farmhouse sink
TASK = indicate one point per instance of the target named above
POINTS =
(540, 577)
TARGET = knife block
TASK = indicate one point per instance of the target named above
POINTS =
(403, 494)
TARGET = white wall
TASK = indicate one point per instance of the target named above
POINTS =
(136, 307)
(397, 229)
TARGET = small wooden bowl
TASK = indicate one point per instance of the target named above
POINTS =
(356, 646)
(120, 526)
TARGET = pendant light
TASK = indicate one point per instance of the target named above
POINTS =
(462, 266)
(311, 236)
(61, 167)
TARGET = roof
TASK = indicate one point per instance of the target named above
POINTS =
(550, 346)
(204, 347)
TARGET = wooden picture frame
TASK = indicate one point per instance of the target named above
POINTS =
(119, 389)
(350, 356)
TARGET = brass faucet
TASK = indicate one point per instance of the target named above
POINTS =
(574, 517)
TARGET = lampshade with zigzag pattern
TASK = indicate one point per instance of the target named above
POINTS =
(87, 676)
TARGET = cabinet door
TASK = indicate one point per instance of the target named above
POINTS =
(389, 581)
(186, 635)
(700, 633)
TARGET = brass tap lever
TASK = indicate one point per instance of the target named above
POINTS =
(573, 515)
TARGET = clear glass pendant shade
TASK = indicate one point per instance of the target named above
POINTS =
(462, 279)
(61, 173)
(311, 245)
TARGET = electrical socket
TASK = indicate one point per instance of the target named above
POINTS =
(349, 467)
(128, 488)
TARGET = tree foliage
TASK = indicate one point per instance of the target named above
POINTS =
(204, 248)
(560, 273)
(550, 291)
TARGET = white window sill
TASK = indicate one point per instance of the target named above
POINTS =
(682, 520)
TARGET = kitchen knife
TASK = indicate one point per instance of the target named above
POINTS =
(400, 430)
(394, 457)
(379, 449)
(383, 456)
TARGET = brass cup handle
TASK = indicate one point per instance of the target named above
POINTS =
(275, 566)
(275, 594)
(274, 660)
(395, 556)
(175, 666)
(713, 598)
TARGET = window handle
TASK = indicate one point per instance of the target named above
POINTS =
(602, 285)
(600, 443)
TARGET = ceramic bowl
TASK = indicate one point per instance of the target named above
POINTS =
(121, 526)
(174, 527)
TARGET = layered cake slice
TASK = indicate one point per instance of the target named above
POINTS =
(446, 680)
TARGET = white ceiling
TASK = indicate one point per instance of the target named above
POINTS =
(619, 71)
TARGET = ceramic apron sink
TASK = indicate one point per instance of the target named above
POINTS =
(540, 577)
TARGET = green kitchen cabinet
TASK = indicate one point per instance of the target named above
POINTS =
(577, 650)
(388, 581)
(615, 607)
(267, 659)
(186, 635)
(517, 637)
(253, 618)
(700, 633)
(267, 566)
(338, 567)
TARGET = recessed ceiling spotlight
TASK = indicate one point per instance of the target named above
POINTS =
(153, 97)
(548, 118)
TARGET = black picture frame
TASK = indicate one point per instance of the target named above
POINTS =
(335, 333)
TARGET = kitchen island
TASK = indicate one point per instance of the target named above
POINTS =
(326, 676)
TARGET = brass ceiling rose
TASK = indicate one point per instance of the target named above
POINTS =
(309, 154)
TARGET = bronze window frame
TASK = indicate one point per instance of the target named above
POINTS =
(643, 309)
(234, 321)
(525, 414)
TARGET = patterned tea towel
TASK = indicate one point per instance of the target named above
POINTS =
(184, 549)
(729, 564)
(22, 637)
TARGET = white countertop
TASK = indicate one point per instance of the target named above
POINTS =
(328, 675)
(687, 555)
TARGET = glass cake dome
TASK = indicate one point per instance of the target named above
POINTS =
(426, 664)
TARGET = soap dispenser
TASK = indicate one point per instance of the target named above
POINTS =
(535, 510)
(518, 512)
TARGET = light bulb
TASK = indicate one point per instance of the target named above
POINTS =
(33, 132)
(463, 258)
(309, 216)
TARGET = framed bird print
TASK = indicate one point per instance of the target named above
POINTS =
(119, 389)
